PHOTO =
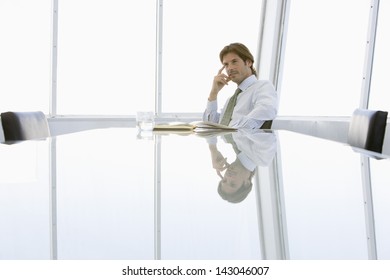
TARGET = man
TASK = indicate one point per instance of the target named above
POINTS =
(254, 104)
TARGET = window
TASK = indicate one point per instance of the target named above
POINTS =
(324, 57)
(323, 199)
(379, 94)
(106, 56)
(380, 180)
(25, 55)
(194, 34)
(106, 53)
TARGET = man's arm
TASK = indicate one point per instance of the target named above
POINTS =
(219, 81)
(211, 113)
(264, 108)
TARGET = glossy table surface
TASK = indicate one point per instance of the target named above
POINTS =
(117, 194)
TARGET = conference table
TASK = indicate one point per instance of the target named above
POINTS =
(125, 194)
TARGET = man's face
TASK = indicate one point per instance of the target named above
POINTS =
(235, 177)
(237, 69)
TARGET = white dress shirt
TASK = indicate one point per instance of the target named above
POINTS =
(255, 104)
(255, 147)
(258, 148)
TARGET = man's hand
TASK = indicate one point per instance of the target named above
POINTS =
(218, 160)
(220, 80)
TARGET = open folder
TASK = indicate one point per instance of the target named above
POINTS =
(198, 126)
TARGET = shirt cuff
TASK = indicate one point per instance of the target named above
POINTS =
(212, 105)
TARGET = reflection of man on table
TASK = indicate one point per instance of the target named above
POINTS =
(252, 148)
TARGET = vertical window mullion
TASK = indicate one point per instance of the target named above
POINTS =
(370, 49)
(159, 43)
(54, 41)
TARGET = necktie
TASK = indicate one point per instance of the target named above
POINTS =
(230, 140)
(227, 116)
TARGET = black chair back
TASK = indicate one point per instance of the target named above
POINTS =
(266, 125)
(367, 129)
(19, 126)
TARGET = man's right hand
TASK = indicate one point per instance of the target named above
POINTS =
(219, 162)
(220, 80)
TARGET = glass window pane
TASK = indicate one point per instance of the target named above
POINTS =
(379, 96)
(323, 198)
(24, 201)
(324, 57)
(197, 223)
(106, 56)
(194, 34)
(105, 211)
(380, 180)
(25, 52)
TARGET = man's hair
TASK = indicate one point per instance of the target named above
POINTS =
(242, 51)
(237, 196)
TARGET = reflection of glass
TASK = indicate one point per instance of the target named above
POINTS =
(145, 120)
(145, 135)
(252, 148)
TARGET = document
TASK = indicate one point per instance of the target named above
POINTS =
(198, 126)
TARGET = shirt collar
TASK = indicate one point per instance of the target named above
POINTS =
(247, 82)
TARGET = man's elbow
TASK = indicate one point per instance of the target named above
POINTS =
(272, 113)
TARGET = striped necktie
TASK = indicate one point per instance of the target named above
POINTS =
(227, 116)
